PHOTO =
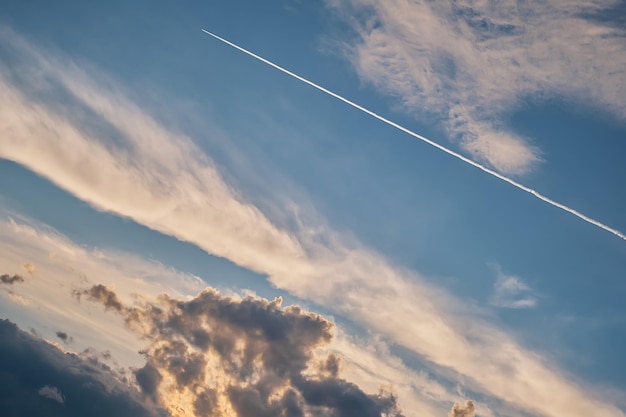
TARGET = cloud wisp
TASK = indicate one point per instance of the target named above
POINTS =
(163, 180)
(511, 292)
(52, 392)
(428, 141)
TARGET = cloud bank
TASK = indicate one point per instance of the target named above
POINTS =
(64, 264)
(469, 62)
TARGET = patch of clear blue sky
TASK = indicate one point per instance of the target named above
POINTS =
(421, 208)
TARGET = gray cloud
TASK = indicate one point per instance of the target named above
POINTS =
(462, 411)
(252, 356)
(64, 337)
(11, 279)
(33, 372)
(52, 393)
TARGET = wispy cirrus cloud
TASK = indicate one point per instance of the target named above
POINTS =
(468, 63)
(511, 292)
(162, 180)
(52, 392)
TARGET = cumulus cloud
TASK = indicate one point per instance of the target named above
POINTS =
(11, 279)
(462, 411)
(38, 379)
(52, 393)
(215, 355)
(468, 62)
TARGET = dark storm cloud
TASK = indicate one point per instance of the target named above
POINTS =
(462, 411)
(11, 279)
(38, 379)
(252, 356)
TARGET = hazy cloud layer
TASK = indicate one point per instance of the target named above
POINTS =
(468, 63)
(215, 355)
(162, 180)
(38, 379)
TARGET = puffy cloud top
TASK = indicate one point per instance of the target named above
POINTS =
(220, 355)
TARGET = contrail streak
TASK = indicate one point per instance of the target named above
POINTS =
(424, 139)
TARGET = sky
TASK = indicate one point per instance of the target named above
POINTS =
(430, 224)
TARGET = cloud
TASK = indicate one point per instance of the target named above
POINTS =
(161, 179)
(214, 354)
(47, 303)
(366, 362)
(511, 292)
(30, 268)
(52, 393)
(19, 299)
(35, 372)
(468, 63)
(11, 279)
(462, 411)
(64, 337)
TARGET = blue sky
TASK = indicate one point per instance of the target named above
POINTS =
(139, 153)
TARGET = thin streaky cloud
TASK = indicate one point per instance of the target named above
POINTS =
(428, 141)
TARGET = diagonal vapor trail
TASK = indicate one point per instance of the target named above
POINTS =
(424, 139)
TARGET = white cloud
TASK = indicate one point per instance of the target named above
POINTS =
(52, 393)
(470, 62)
(511, 292)
(162, 180)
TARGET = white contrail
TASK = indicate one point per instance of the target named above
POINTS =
(422, 138)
